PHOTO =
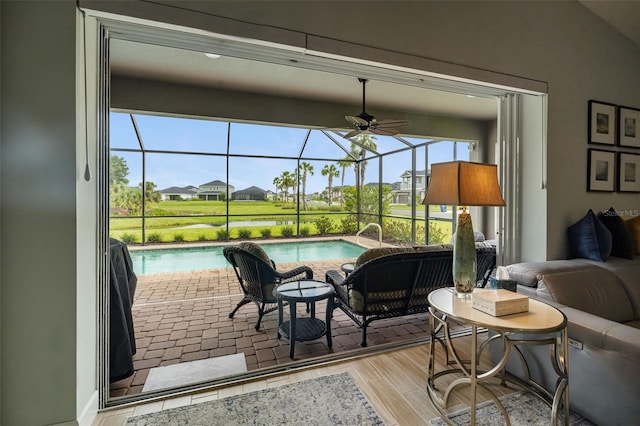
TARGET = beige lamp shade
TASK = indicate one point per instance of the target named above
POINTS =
(464, 183)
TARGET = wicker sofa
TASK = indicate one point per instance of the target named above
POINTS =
(392, 282)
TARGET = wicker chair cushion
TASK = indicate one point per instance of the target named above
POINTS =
(256, 250)
(381, 251)
(434, 247)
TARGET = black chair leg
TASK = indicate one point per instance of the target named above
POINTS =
(364, 335)
(238, 306)
(260, 314)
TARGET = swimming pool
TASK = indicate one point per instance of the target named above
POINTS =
(211, 257)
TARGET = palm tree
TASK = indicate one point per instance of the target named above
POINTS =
(305, 168)
(331, 171)
(344, 163)
(365, 140)
(277, 182)
(287, 180)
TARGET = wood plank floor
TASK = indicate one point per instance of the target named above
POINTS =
(393, 381)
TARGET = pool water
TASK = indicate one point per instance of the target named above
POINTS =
(211, 257)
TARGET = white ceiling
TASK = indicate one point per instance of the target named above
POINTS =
(232, 73)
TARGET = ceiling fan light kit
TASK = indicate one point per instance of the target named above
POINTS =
(367, 123)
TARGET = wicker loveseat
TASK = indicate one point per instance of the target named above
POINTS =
(392, 282)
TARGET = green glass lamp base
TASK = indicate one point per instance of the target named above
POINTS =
(464, 257)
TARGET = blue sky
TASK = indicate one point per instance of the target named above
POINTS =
(207, 137)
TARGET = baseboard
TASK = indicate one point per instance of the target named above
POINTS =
(89, 412)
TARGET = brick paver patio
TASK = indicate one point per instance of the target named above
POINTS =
(184, 316)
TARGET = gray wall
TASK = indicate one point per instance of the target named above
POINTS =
(153, 96)
(38, 224)
(562, 43)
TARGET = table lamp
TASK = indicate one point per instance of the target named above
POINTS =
(463, 183)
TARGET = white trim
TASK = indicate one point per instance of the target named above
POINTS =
(89, 412)
(317, 53)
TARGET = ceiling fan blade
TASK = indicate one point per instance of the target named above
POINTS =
(356, 120)
(352, 133)
(392, 123)
(384, 131)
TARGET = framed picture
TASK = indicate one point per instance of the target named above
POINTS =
(629, 129)
(628, 172)
(601, 168)
(602, 123)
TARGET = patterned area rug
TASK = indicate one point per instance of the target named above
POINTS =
(330, 400)
(523, 408)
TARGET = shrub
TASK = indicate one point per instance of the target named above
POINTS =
(323, 224)
(349, 225)
(202, 237)
(222, 234)
(244, 233)
(178, 238)
(287, 231)
(128, 238)
(398, 230)
(304, 231)
(154, 237)
(265, 232)
(436, 234)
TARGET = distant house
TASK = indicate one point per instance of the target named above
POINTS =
(253, 193)
(215, 190)
(175, 193)
(402, 194)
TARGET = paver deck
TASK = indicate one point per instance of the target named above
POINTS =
(184, 316)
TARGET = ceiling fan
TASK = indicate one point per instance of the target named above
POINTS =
(367, 123)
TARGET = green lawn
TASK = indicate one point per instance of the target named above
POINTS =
(204, 220)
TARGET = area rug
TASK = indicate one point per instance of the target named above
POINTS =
(186, 373)
(523, 409)
(329, 400)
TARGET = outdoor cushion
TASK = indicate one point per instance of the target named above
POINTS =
(589, 238)
(380, 251)
(256, 250)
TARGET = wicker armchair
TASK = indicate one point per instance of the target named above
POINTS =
(398, 284)
(258, 277)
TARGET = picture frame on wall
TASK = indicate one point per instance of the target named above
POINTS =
(628, 172)
(602, 123)
(629, 127)
(601, 168)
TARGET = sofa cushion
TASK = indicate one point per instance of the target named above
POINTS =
(380, 251)
(589, 238)
(588, 288)
(622, 242)
(633, 225)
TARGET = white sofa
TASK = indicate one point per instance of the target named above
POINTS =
(602, 303)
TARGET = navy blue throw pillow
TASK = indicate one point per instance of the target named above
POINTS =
(589, 238)
(622, 245)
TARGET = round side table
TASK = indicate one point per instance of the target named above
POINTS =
(304, 328)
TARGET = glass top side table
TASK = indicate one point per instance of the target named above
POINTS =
(304, 328)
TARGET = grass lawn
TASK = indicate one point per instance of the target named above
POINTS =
(204, 221)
